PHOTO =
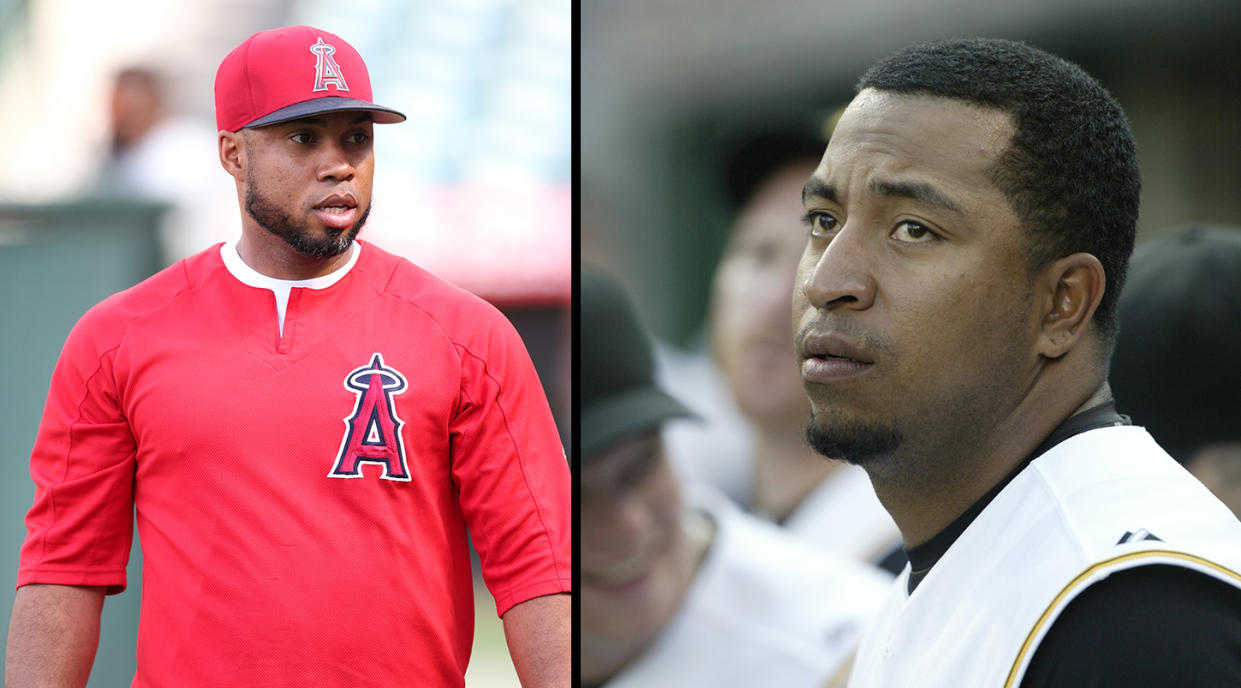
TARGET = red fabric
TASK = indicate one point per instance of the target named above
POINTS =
(181, 398)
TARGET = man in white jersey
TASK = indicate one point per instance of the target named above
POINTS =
(954, 313)
(693, 592)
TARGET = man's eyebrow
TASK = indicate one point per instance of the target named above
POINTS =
(816, 188)
(916, 191)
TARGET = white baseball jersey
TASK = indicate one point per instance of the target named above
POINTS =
(763, 610)
(1099, 502)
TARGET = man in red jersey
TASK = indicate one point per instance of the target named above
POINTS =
(306, 426)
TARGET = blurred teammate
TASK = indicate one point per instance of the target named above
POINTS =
(969, 224)
(750, 341)
(689, 593)
(155, 154)
(306, 426)
(136, 107)
(1176, 368)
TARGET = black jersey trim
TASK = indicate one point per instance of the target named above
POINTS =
(923, 557)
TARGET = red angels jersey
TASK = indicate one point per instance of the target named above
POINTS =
(302, 497)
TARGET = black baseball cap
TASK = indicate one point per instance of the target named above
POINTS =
(1176, 368)
(619, 397)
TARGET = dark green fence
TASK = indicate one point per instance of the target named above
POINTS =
(56, 262)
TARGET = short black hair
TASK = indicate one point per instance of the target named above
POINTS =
(1071, 170)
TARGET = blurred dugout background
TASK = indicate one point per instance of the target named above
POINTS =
(666, 84)
(475, 186)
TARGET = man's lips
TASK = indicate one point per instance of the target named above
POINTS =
(338, 211)
(828, 356)
(832, 345)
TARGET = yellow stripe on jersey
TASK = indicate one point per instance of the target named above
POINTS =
(1025, 647)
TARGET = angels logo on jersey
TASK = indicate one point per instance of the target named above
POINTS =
(373, 431)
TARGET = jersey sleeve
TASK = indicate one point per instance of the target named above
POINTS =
(1149, 626)
(80, 527)
(511, 471)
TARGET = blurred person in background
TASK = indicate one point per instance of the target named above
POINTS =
(689, 592)
(750, 335)
(157, 155)
(955, 308)
(282, 546)
(1177, 368)
(136, 108)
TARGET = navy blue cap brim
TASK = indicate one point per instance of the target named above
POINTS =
(319, 106)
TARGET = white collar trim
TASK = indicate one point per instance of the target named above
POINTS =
(249, 276)
(280, 288)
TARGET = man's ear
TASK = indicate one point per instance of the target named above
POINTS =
(1072, 288)
(232, 153)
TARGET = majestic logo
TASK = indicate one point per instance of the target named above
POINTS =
(1140, 535)
(326, 69)
(373, 431)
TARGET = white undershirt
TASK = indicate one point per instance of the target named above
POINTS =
(281, 287)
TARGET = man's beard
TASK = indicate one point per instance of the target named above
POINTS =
(280, 223)
(853, 443)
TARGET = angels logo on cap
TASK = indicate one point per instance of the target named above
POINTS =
(289, 73)
(327, 72)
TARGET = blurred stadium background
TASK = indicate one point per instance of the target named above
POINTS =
(666, 84)
(475, 186)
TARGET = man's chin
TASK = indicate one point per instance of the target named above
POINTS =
(852, 442)
(319, 249)
(330, 243)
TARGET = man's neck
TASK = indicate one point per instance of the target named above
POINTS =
(924, 502)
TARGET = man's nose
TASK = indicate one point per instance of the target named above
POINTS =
(842, 276)
(335, 164)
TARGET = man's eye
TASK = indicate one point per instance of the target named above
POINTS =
(301, 138)
(821, 224)
(912, 233)
(358, 138)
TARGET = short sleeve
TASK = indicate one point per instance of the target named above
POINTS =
(511, 470)
(80, 527)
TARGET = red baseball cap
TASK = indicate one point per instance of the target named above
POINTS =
(289, 73)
